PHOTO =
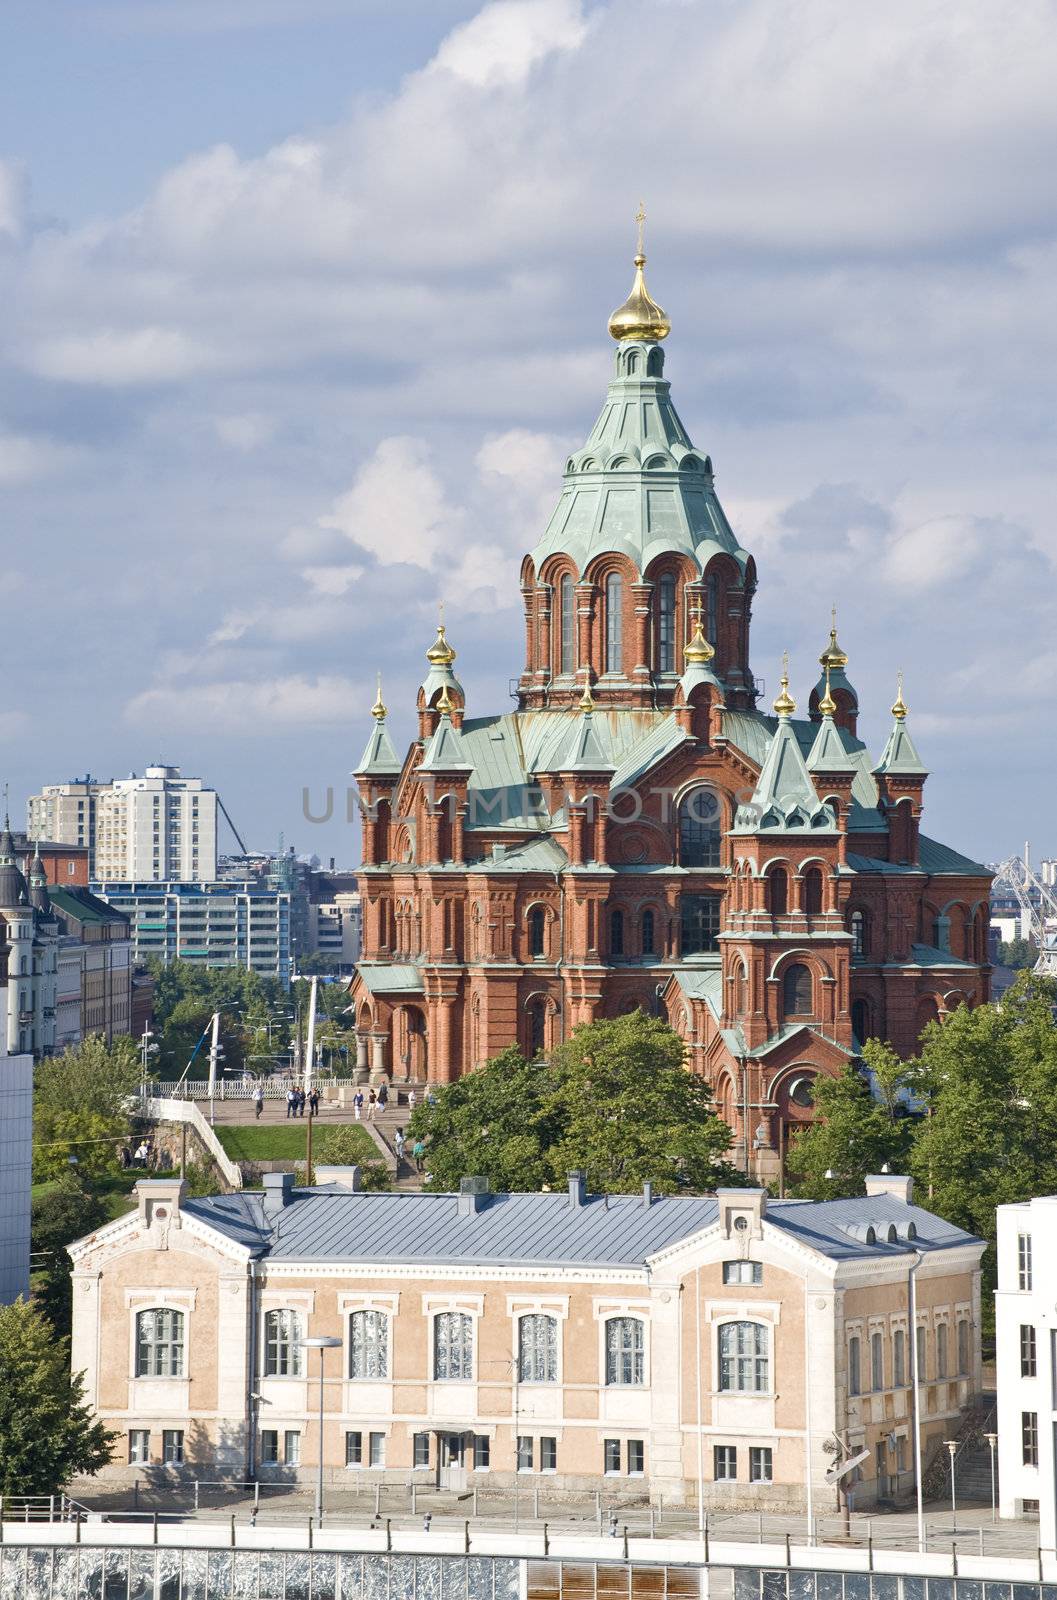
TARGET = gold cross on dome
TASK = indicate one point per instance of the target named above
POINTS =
(640, 218)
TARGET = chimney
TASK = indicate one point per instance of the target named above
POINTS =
(472, 1195)
(577, 1189)
(278, 1192)
(741, 1212)
(159, 1199)
(892, 1183)
(647, 1194)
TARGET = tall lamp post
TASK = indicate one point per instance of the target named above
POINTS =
(322, 1342)
(992, 1440)
(952, 1447)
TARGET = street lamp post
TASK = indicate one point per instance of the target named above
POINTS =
(952, 1447)
(321, 1343)
(992, 1440)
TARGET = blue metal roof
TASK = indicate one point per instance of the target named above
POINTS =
(537, 1229)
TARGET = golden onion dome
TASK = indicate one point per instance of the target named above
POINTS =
(640, 317)
(440, 652)
(445, 705)
(378, 711)
(827, 705)
(900, 709)
(833, 657)
(587, 704)
(785, 705)
(699, 649)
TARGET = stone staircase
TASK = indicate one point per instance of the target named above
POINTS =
(972, 1459)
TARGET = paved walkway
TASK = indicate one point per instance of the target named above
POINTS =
(397, 1113)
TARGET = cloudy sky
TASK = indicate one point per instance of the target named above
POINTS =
(304, 303)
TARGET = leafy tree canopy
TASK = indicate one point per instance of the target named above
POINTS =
(47, 1433)
(61, 1215)
(343, 1145)
(614, 1101)
(82, 1106)
(1018, 953)
(857, 1128)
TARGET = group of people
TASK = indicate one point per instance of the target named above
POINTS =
(296, 1100)
(418, 1150)
(144, 1154)
(373, 1102)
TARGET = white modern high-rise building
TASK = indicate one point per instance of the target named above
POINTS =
(158, 828)
(1026, 1362)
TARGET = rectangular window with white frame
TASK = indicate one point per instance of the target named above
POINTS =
(725, 1463)
(377, 1449)
(742, 1272)
(482, 1452)
(1024, 1274)
(453, 1347)
(1029, 1365)
(625, 1352)
(636, 1458)
(611, 1456)
(292, 1447)
(1029, 1438)
(761, 1464)
(139, 1446)
(172, 1447)
(354, 1448)
(420, 1450)
(269, 1447)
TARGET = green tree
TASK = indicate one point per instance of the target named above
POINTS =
(82, 1107)
(856, 1128)
(47, 1434)
(1018, 953)
(60, 1215)
(990, 1137)
(614, 1101)
(343, 1146)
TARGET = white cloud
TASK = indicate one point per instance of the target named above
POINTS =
(24, 458)
(12, 199)
(504, 41)
(246, 432)
(115, 358)
(240, 705)
(397, 507)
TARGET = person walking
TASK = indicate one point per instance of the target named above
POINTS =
(372, 1105)
(383, 1096)
(418, 1150)
(258, 1102)
(357, 1104)
(412, 1098)
(301, 1101)
(291, 1101)
(313, 1103)
(399, 1141)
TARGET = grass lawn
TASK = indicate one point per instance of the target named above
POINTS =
(286, 1143)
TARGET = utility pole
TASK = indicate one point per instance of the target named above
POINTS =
(214, 1056)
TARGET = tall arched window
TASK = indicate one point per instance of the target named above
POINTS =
(741, 989)
(625, 1351)
(778, 892)
(860, 1020)
(699, 829)
(812, 891)
(567, 608)
(537, 1028)
(537, 1346)
(453, 1347)
(743, 1357)
(283, 1333)
(614, 623)
(616, 933)
(160, 1343)
(857, 929)
(368, 1344)
(711, 608)
(647, 934)
(666, 624)
(796, 991)
(537, 931)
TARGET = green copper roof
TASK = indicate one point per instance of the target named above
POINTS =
(638, 486)
(445, 753)
(584, 753)
(379, 757)
(785, 798)
(838, 679)
(899, 755)
(828, 753)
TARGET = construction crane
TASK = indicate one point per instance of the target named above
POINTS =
(231, 825)
(1038, 906)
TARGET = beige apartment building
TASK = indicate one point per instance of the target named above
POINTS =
(676, 1346)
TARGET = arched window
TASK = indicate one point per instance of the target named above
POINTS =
(647, 934)
(796, 991)
(860, 1020)
(368, 1344)
(743, 1357)
(778, 892)
(941, 1350)
(616, 933)
(283, 1333)
(625, 1351)
(877, 1361)
(537, 1028)
(568, 623)
(812, 891)
(741, 989)
(857, 929)
(899, 1358)
(537, 931)
(854, 1365)
(711, 609)
(614, 623)
(699, 829)
(666, 624)
(453, 1347)
(537, 1346)
(160, 1343)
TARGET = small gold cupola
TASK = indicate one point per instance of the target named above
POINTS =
(440, 652)
(827, 705)
(640, 317)
(833, 658)
(698, 649)
(378, 710)
(784, 704)
(900, 709)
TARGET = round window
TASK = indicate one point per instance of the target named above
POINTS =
(801, 1092)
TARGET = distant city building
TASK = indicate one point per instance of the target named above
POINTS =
(16, 1173)
(28, 956)
(1026, 1363)
(94, 968)
(632, 1344)
(160, 827)
(334, 930)
(219, 924)
(65, 864)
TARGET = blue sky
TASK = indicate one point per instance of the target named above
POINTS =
(305, 304)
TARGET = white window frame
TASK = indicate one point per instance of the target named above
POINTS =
(382, 1345)
(292, 1340)
(181, 1342)
(765, 1329)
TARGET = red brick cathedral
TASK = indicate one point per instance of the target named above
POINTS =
(639, 832)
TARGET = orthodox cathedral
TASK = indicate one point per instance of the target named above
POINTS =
(639, 832)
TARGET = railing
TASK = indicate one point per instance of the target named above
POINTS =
(160, 1108)
(274, 1087)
